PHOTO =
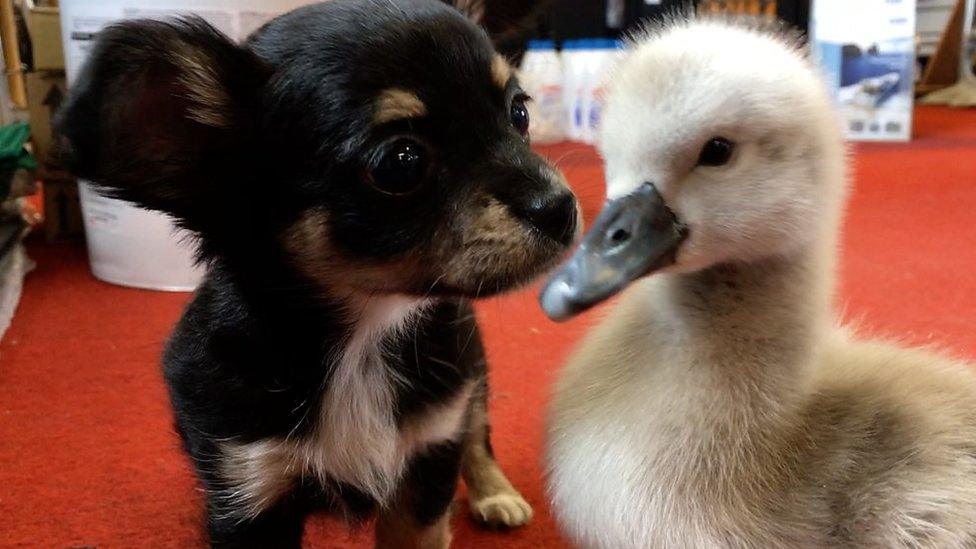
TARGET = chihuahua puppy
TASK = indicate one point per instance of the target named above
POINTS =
(354, 173)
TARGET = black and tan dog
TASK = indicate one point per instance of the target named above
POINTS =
(354, 172)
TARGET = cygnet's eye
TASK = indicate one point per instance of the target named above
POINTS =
(717, 152)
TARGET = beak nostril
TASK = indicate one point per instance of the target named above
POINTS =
(619, 236)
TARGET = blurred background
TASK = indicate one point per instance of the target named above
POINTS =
(90, 287)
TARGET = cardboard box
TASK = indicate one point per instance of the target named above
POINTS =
(44, 28)
(45, 93)
(62, 210)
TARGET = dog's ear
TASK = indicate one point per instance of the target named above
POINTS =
(501, 18)
(161, 114)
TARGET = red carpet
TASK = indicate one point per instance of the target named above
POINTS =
(88, 456)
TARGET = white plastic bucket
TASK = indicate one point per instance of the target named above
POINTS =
(128, 245)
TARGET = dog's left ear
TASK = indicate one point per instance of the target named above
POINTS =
(501, 17)
(162, 115)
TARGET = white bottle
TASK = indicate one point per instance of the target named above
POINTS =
(590, 74)
(542, 78)
(572, 87)
(605, 54)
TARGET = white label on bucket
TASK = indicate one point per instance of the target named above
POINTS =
(101, 213)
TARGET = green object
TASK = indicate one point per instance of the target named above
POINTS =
(13, 155)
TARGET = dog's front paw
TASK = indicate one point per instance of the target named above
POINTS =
(502, 510)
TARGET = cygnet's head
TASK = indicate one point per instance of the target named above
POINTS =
(721, 146)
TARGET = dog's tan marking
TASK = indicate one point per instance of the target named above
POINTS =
(308, 242)
(494, 243)
(309, 232)
(491, 497)
(397, 104)
(494, 220)
(491, 241)
(201, 85)
(501, 71)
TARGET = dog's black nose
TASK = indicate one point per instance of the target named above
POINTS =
(555, 215)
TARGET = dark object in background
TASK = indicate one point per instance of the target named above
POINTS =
(63, 220)
(25, 46)
(46, 91)
(573, 19)
(795, 12)
(655, 11)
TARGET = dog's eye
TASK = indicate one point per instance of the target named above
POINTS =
(717, 152)
(520, 116)
(401, 169)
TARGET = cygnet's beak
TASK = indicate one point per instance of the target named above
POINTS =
(633, 236)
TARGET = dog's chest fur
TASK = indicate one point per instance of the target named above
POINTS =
(356, 438)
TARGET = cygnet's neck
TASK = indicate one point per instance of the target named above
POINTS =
(752, 331)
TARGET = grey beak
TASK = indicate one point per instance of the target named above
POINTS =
(633, 236)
